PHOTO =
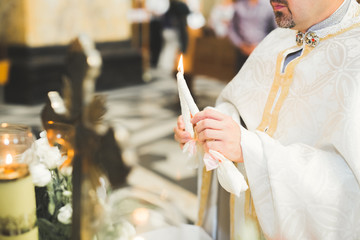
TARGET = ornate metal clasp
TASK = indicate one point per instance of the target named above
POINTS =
(311, 39)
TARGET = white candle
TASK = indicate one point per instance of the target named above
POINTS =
(17, 203)
(183, 88)
(188, 106)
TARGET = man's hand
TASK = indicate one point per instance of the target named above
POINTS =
(219, 132)
(180, 135)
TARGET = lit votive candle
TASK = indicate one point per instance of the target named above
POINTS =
(17, 202)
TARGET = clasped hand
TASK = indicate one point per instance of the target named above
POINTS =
(215, 131)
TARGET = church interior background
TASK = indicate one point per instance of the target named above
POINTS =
(142, 102)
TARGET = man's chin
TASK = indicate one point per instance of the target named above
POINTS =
(283, 20)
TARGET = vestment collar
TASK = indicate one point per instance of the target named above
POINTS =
(331, 25)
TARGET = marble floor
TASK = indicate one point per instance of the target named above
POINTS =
(143, 118)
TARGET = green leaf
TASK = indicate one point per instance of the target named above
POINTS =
(53, 231)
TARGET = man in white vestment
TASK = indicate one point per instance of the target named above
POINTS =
(290, 120)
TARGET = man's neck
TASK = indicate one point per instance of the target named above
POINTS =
(334, 18)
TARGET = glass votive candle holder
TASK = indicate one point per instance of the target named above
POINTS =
(17, 201)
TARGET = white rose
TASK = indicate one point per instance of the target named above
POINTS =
(65, 214)
(48, 155)
(29, 156)
(41, 176)
(67, 193)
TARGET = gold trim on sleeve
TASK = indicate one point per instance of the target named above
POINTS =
(204, 195)
(232, 217)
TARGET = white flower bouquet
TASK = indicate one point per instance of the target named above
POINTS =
(124, 209)
(53, 187)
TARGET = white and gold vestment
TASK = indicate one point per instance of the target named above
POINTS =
(302, 144)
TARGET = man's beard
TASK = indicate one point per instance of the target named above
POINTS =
(284, 20)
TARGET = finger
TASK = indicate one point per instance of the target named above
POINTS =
(210, 135)
(213, 145)
(208, 124)
(181, 136)
(207, 113)
(180, 122)
(220, 146)
(180, 139)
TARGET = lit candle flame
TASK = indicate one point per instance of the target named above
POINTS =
(181, 66)
(8, 159)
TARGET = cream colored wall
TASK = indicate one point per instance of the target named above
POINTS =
(12, 21)
(57, 22)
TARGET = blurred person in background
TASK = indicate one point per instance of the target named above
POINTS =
(168, 35)
(251, 22)
(220, 17)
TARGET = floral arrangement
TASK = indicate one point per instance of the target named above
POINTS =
(125, 211)
(51, 173)
(52, 179)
